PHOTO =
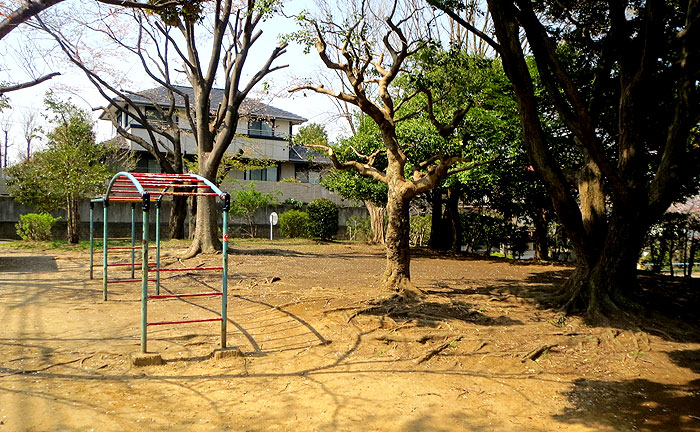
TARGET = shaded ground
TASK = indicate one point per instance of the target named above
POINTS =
(323, 353)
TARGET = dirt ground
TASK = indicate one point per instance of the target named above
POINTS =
(322, 353)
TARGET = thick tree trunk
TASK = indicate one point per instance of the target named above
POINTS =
(178, 212)
(606, 284)
(206, 238)
(376, 222)
(73, 220)
(398, 255)
(540, 240)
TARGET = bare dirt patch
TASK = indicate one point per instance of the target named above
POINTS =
(322, 352)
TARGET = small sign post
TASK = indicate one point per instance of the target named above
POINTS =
(273, 221)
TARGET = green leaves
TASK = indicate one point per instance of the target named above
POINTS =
(73, 166)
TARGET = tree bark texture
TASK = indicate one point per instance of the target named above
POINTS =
(608, 283)
(616, 199)
(398, 254)
(206, 238)
(376, 222)
(73, 220)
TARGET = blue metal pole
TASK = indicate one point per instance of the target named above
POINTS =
(105, 206)
(92, 236)
(133, 239)
(224, 276)
(158, 246)
(144, 271)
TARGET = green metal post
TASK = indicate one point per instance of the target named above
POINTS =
(158, 246)
(105, 206)
(133, 239)
(224, 276)
(144, 271)
(92, 236)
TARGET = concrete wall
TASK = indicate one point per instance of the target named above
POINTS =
(303, 192)
(120, 219)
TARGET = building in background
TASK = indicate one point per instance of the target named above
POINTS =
(263, 132)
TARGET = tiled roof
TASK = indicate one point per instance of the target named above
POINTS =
(249, 107)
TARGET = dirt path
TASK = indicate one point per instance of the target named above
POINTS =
(321, 354)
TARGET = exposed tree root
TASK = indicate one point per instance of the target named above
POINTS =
(437, 350)
(537, 352)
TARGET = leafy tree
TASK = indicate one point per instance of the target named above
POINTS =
(216, 52)
(247, 201)
(622, 77)
(71, 169)
(311, 134)
(351, 185)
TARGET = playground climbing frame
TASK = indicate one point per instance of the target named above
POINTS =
(149, 189)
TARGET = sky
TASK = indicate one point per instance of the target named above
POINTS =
(73, 83)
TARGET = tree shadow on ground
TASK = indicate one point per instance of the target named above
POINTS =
(298, 254)
(28, 264)
(689, 359)
(642, 404)
(431, 313)
(667, 307)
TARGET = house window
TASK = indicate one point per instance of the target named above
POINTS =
(265, 174)
(260, 127)
(153, 115)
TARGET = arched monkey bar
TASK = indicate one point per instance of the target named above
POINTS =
(147, 188)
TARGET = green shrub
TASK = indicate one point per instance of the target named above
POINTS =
(295, 203)
(32, 226)
(294, 223)
(323, 218)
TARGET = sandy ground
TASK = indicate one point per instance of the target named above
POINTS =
(322, 353)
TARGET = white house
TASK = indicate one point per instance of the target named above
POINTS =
(263, 131)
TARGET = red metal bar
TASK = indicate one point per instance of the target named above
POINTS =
(184, 295)
(186, 269)
(128, 280)
(156, 183)
(126, 191)
(155, 193)
(129, 264)
(182, 322)
(164, 176)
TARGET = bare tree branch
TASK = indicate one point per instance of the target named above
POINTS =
(32, 83)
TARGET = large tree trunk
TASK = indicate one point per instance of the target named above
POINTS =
(398, 255)
(376, 222)
(206, 238)
(73, 220)
(178, 213)
(608, 282)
